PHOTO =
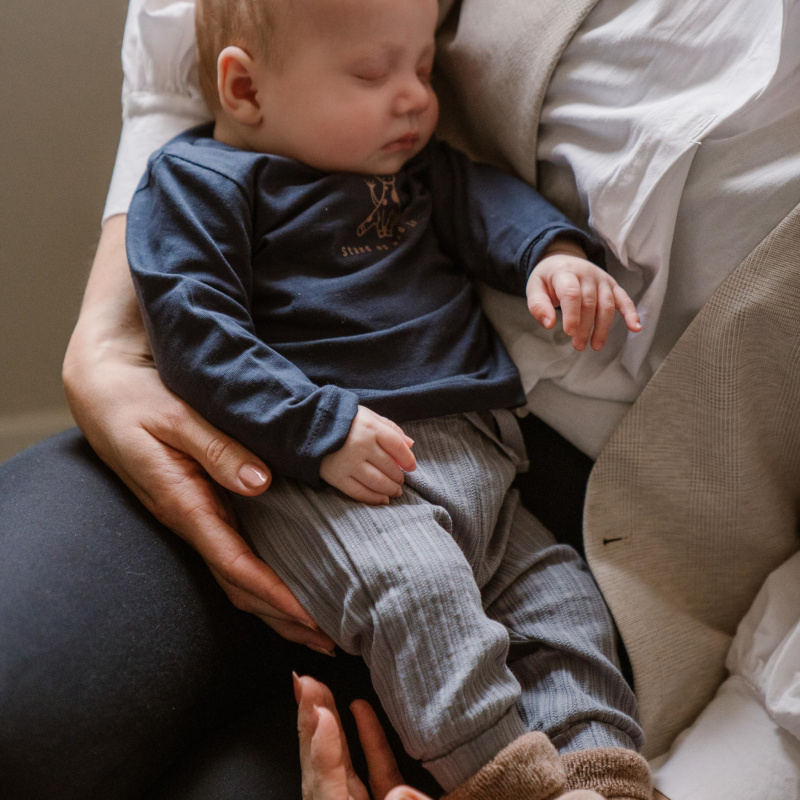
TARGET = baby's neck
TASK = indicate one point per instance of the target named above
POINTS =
(232, 134)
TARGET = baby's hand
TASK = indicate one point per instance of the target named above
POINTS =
(588, 296)
(369, 467)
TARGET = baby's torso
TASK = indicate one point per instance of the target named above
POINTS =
(351, 285)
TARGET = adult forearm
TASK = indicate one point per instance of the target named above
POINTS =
(109, 316)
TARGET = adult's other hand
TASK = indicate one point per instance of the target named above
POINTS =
(325, 757)
(165, 452)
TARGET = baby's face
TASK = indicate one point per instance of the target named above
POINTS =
(351, 92)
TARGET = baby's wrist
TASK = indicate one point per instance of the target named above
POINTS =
(564, 246)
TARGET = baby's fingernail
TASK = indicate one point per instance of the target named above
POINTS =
(252, 477)
(546, 321)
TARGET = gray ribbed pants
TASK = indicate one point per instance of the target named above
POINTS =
(476, 625)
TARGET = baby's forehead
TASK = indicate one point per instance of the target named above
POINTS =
(385, 29)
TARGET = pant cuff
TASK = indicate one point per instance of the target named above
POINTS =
(453, 769)
(591, 735)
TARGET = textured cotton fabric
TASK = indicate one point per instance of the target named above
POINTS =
(475, 623)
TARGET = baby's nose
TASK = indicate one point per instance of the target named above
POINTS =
(413, 98)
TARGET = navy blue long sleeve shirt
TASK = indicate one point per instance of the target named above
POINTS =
(277, 298)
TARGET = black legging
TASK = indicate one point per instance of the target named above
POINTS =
(125, 672)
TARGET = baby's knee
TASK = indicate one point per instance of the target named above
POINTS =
(410, 585)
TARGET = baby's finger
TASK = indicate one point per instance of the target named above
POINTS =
(395, 427)
(588, 313)
(381, 460)
(375, 480)
(627, 309)
(394, 444)
(604, 316)
(539, 302)
(567, 288)
(357, 491)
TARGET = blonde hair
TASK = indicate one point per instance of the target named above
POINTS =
(249, 24)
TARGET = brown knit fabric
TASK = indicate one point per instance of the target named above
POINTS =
(613, 772)
(528, 769)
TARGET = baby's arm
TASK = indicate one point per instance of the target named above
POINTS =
(369, 466)
(588, 295)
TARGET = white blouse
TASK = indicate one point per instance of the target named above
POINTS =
(160, 91)
(674, 128)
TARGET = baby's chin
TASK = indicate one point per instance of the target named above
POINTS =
(381, 162)
(387, 163)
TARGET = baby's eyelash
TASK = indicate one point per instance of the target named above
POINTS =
(371, 78)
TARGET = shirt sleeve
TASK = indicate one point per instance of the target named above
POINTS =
(495, 224)
(189, 242)
(160, 91)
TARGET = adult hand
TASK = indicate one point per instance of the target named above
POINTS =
(325, 757)
(164, 451)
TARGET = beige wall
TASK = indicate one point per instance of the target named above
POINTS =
(59, 97)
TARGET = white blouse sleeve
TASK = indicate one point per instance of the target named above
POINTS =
(160, 91)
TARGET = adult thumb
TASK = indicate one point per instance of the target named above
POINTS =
(226, 461)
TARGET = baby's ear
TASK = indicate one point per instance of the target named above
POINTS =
(236, 86)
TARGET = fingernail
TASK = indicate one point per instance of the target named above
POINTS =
(252, 477)
(317, 649)
(296, 686)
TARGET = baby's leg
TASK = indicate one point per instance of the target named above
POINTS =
(563, 653)
(391, 584)
(563, 640)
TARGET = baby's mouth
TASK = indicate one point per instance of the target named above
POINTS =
(406, 142)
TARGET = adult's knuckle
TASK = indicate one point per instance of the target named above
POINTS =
(173, 416)
(165, 511)
(240, 602)
(218, 449)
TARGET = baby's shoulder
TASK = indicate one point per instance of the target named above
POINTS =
(196, 155)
